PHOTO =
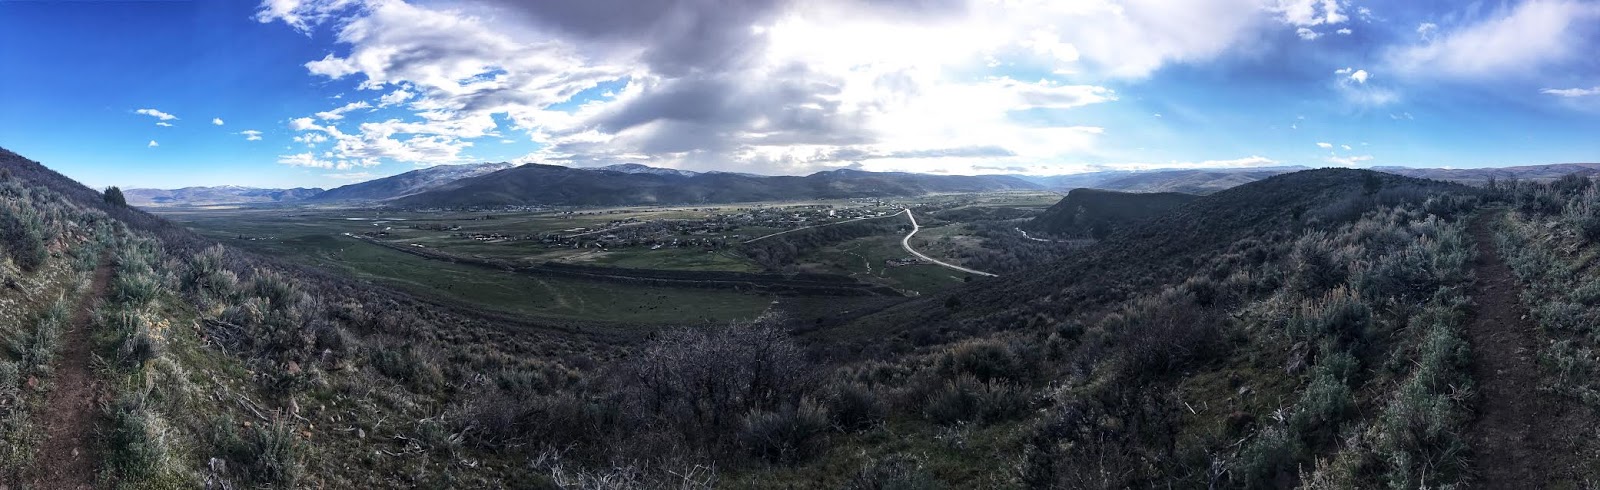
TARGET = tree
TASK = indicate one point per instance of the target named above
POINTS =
(114, 196)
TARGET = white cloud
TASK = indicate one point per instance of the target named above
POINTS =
(303, 160)
(1345, 31)
(1349, 161)
(1325, 146)
(156, 114)
(1360, 76)
(1517, 42)
(311, 139)
(1305, 13)
(1346, 147)
(216, 120)
(1426, 30)
(323, 161)
(397, 96)
(251, 135)
(152, 144)
(1571, 92)
(781, 86)
(164, 124)
(338, 113)
(1307, 34)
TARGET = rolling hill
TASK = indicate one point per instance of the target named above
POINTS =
(1094, 213)
(535, 184)
(206, 196)
(413, 182)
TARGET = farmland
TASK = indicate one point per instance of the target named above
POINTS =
(366, 243)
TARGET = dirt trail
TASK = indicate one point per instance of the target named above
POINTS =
(1522, 438)
(65, 461)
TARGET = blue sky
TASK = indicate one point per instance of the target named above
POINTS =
(327, 92)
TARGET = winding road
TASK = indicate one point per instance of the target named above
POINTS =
(906, 243)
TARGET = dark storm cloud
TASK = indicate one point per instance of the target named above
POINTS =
(678, 37)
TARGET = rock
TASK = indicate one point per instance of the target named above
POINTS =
(361, 434)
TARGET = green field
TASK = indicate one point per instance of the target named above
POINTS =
(318, 243)
(317, 237)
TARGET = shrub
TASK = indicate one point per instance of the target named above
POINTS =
(136, 441)
(263, 455)
(786, 436)
(23, 237)
(893, 472)
(710, 378)
(1270, 460)
(988, 360)
(855, 406)
(1315, 265)
(966, 399)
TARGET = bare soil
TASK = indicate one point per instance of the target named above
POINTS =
(66, 461)
(1523, 437)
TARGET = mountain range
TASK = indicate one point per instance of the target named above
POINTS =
(205, 196)
(504, 184)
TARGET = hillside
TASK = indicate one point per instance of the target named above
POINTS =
(1243, 331)
(1093, 213)
(1482, 176)
(1161, 180)
(207, 196)
(1312, 329)
(555, 185)
(409, 183)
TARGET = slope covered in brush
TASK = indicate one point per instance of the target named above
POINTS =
(1093, 213)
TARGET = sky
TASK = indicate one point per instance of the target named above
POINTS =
(322, 93)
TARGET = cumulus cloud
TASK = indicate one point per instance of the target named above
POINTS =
(773, 86)
(1325, 146)
(216, 121)
(1307, 34)
(156, 114)
(251, 135)
(1345, 31)
(1571, 92)
(338, 113)
(1514, 42)
(1349, 161)
(1311, 12)
(152, 144)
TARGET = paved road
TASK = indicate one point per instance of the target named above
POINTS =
(906, 242)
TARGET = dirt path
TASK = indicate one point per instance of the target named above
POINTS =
(1522, 438)
(65, 461)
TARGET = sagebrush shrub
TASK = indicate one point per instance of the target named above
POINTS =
(788, 435)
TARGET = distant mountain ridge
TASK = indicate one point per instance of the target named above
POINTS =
(1480, 176)
(413, 182)
(535, 184)
(208, 196)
